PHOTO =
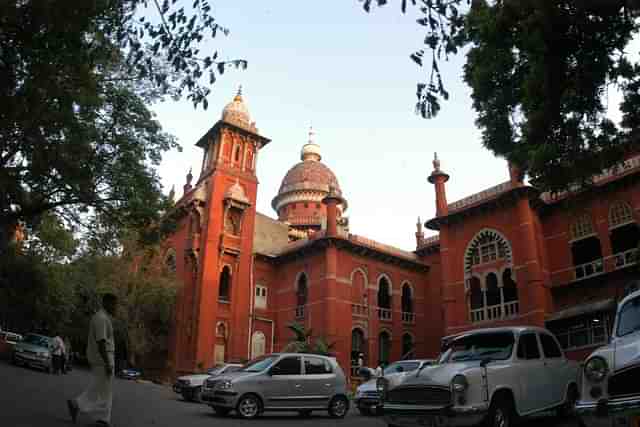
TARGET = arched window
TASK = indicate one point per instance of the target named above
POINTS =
(476, 298)
(407, 298)
(358, 347)
(407, 346)
(509, 288)
(488, 253)
(582, 227)
(358, 287)
(585, 248)
(620, 214)
(384, 347)
(624, 234)
(170, 260)
(224, 293)
(258, 344)
(236, 155)
(384, 293)
(302, 292)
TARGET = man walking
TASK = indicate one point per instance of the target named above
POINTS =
(97, 399)
(58, 354)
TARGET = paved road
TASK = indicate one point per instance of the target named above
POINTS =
(32, 398)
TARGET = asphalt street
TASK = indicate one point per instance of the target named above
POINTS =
(32, 398)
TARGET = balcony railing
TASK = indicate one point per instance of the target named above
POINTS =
(595, 267)
(408, 317)
(495, 312)
(384, 314)
(589, 269)
(625, 259)
(359, 310)
(300, 312)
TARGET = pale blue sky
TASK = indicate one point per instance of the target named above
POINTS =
(348, 74)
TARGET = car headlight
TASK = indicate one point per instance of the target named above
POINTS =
(44, 355)
(225, 385)
(459, 384)
(382, 386)
(596, 369)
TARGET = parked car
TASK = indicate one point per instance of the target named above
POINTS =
(495, 375)
(280, 382)
(190, 386)
(10, 337)
(129, 373)
(610, 393)
(34, 350)
(367, 396)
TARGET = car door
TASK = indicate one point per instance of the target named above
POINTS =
(283, 387)
(556, 368)
(529, 365)
(318, 382)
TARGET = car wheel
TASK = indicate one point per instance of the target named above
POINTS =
(502, 413)
(338, 407)
(566, 410)
(196, 394)
(249, 406)
(223, 412)
(305, 413)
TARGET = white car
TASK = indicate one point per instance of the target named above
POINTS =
(367, 397)
(190, 386)
(611, 376)
(495, 375)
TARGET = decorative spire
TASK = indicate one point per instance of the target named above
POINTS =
(239, 94)
(419, 225)
(187, 187)
(189, 176)
(436, 162)
(172, 194)
(311, 150)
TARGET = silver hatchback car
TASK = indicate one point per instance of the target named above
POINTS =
(280, 382)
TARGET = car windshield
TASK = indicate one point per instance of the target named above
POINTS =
(259, 364)
(396, 367)
(629, 317)
(36, 340)
(495, 346)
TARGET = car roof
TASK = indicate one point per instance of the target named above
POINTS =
(413, 361)
(515, 329)
(631, 296)
(300, 354)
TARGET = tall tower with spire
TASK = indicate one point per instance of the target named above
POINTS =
(222, 209)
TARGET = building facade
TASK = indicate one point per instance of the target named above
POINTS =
(507, 255)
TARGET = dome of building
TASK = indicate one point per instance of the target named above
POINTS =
(299, 200)
(237, 113)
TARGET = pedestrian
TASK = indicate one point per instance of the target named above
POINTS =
(57, 355)
(378, 371)
(96, 400)
(67, 356)
(361, 360)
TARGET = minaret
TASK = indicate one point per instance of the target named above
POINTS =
(187, 187)
(439, 178)
(419, 234)
(332, 200)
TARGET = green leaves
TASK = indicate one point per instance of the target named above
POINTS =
(302, 341)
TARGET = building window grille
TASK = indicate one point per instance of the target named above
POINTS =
(582, 227)
(620, 213)
(261, 296)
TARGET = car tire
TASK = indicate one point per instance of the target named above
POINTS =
(501, 413)
(306, 413)
(196, 394)
(223, 412)
(338, 407)
(249, 406)
(566, 410)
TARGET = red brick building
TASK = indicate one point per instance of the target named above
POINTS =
(507, 255)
